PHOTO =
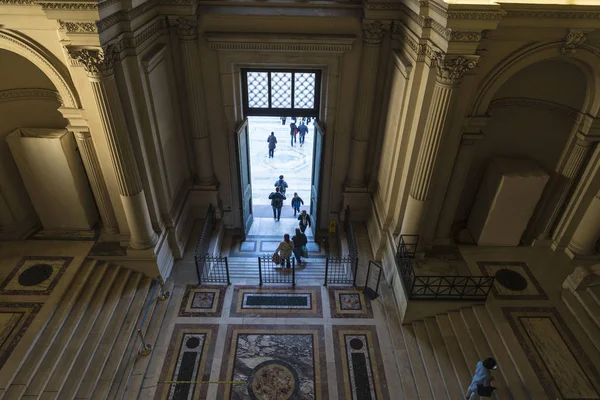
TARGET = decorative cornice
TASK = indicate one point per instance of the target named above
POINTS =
(434, 6)
(553, 14)
(78, 27)
(482, 15)
(96, 62)
(82, 5)
(132, 43)
(17, 2)
(111, 20)
(373, 32)
(29, 94)
(460, 36)
(280, 43)
(452, 69)
(187, 28)
(573, 40)
(421, 51)
(544, 105)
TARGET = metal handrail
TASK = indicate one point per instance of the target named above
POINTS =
(152, 298)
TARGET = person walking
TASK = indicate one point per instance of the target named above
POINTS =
(302, 130)
(305, 221)
(293, 131)
(281, 184)
(299, 241)
(482, 380)
(272, 144)
(285, 250)
(296, 202)
(277, 203)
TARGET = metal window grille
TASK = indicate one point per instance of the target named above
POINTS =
(281, 90)
(304, 90)
(258, 89)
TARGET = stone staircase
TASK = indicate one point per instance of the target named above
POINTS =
(444, 350)
(584, 304)
(88, 347)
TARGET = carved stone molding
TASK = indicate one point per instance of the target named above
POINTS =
(374, 32)
(86, 5)
(434, 6)
(577, 15)
(451, 69)
(29, 94)
(78, 27)
(187, 28)
(478, 16)
(544, 105)
(228, 42)
(17, 2)
(573, 40)
(421, 51)
(141, 37)
(460, 36)
(96, 62)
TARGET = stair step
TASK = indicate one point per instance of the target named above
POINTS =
(119, 349)
(142, 364)
(443, 359)
(484, 351)
(594, 291)
(414, 355)
(40, 349)
(133, 348)
(589, 303)
(100, 358)
(88, 352)
(457, 359)
(582, 316)
(436, 382)
(53, 382)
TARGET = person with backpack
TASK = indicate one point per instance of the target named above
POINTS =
(281, 184)
(272, 144)
(296, 202)
(300, 241)
(285, 250)
(277, 203)
(302, 130)
(305, 221)
(481, 385)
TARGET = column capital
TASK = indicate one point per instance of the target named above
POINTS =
(97, 62)
(187, 28)
(452, 69)
(374, 31)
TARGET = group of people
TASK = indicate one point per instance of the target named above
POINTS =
(301, 130)
(297, 244)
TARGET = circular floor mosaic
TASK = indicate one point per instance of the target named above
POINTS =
(35, 275)
(273, 380)
(511, 280)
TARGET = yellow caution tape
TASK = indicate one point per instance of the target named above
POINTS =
(206, 382)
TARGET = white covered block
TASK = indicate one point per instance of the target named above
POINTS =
(506, 200)
(54, 178)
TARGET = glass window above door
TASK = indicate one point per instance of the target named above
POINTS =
(281, 92)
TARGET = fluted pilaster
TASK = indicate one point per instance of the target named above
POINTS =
(99, 65)
(569, 172)
(97, 183)
(588, 232)
(373, 34)
(192, 69)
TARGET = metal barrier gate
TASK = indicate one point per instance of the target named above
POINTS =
(212, 270)
(269, 272)
(341, 270)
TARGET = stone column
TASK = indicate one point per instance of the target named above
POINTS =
(97, 183)
(99, 67)
(373, 33)
(450, 72)
(456, 185)
(188, 33)
(587, 233)
(562, 186)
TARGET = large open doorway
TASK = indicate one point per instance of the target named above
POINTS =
(273, 100)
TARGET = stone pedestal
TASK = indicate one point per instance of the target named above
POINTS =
(505, 202)
(54, 177)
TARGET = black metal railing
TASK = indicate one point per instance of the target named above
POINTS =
(350, 236)
(206, 234)
(341, 270)
(419, 287)
(212, 270)
(373, 279)
(270, 272)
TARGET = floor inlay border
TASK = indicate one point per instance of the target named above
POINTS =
(294, 353)
(16, 319)
(11, 286)
(359, 364)
(189, 358)
(202, 301)
(308, 304)
(534, 290)
(558, 360)
(348, 303)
